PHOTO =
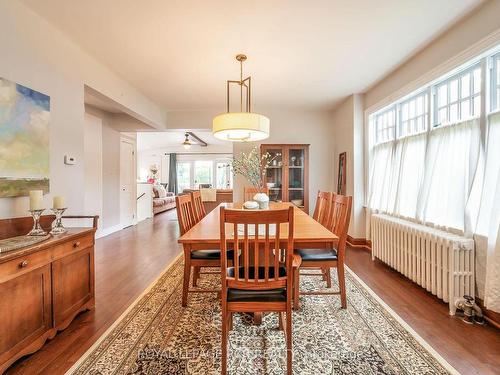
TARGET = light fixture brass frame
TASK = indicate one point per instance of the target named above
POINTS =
(243, 83)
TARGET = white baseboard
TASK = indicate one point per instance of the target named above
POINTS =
(107, 231)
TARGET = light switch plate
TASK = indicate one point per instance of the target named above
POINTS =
(69, 160)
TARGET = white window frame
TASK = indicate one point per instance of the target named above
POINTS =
(214, 158)
(494, 62)
(470, 98)
(425, 94)
(377, 131)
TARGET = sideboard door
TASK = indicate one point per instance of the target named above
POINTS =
(25, 314)
(73, 285)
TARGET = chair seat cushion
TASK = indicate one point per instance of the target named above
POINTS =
(271, 295)
(210, 254)
(317, 254)
(261, 272)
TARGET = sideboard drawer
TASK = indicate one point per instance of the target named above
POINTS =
(24, 264)
(74, 245)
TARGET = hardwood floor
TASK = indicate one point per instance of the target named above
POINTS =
(128, 261)
(471, 349)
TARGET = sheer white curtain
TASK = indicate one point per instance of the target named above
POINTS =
(489, 214)
(410, 160)
(397, 173)
(382, 177)
(452, 158)
(396, 176)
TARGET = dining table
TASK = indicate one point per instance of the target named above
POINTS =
(308, 233)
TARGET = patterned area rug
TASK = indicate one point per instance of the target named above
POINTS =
(157, 336)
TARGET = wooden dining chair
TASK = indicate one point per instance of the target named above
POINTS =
(261, 284)
(321, 215)
(198, 206)
(338, 223)
(322, 208)
(249, 192)
(193, 259)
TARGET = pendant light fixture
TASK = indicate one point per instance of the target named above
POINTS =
(243, 126)
(187, 143)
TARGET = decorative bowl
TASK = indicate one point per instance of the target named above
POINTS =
(297, 202)
(251, 205)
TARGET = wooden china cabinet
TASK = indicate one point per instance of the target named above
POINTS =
(288, 174)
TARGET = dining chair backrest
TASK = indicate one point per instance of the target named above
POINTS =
(339, 217)
(272, 249)
(185, 212)
(198, 206)
(249, 192)
(322, 208)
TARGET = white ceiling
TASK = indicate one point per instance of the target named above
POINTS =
(174, 139)
(302, 54)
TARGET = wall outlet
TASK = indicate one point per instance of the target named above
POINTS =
(69, 160)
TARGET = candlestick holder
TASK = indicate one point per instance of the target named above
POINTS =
(58, 227)
(37, 228)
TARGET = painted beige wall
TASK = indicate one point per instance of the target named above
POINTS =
(93, 166)
(347, 136)
(37, 55)
(110, 166)
(475, 27)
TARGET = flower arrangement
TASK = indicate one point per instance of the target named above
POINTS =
(154, 170)
(253, 167)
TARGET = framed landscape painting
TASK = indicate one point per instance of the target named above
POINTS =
(24, 140)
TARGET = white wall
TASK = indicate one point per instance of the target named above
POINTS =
(348, 137)
(111, 177)
(37, 55)
(93, 166)
(454, 46)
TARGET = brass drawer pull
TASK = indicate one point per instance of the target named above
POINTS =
(23, 264)
(76, 244)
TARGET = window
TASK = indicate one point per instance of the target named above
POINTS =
(434, 174)
(204, 169)
(385, 125)
(413, 114)
(203, 172)
(224, 175)
(183, 175)
(458, 98)
(495, 82)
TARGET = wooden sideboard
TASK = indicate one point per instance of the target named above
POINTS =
(43, 286)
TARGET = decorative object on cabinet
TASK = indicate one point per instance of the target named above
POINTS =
(253, 167)
(43, 285)
(288, 173)
(57, 226)
(242, 126)
(37, 230)
(341, 181)
(25, 140)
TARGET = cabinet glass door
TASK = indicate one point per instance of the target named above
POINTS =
(296, 181)
(274, 174)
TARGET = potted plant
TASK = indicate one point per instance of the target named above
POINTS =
(253, 167)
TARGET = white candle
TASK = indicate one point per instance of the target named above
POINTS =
(59, 202)
(36, 200)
